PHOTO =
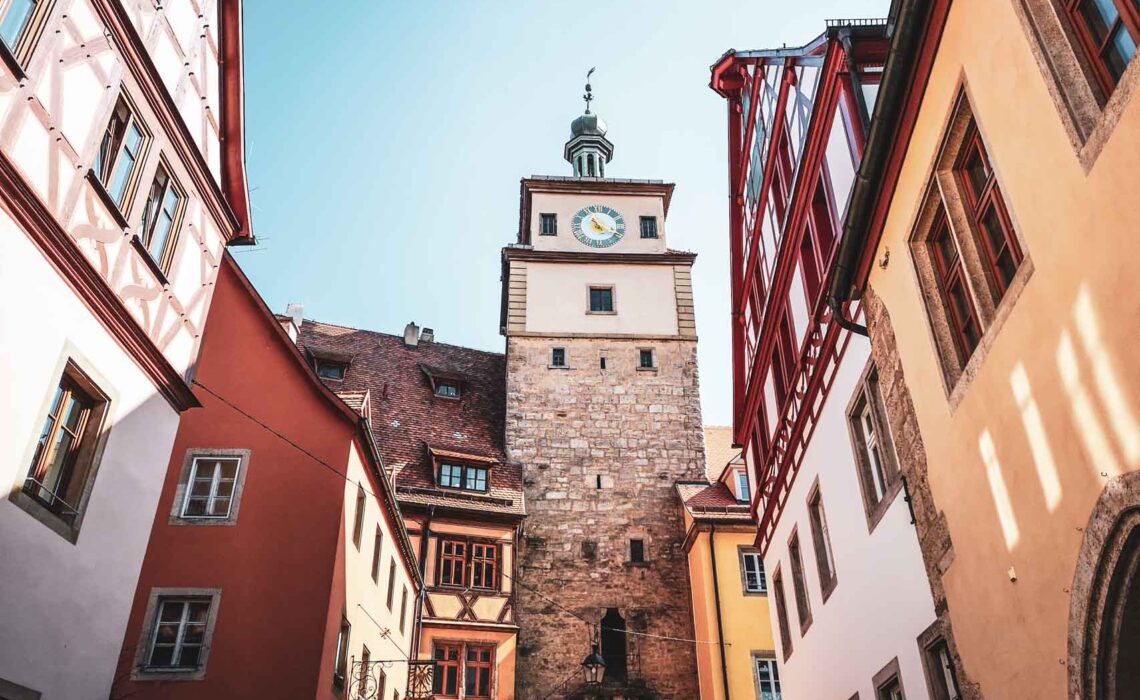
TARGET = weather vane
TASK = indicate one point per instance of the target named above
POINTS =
(589, 96)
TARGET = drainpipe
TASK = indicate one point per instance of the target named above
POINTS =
(423, 577)
(716, 598)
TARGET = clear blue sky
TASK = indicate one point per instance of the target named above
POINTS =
(386, 141)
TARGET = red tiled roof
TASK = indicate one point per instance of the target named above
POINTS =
(406, 415)
(714, 502)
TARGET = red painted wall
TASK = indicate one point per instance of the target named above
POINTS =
(277, 567)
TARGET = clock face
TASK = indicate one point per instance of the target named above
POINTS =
(598, 226)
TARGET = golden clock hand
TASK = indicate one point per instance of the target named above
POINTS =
(598, 226)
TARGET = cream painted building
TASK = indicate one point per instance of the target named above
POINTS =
(118, 194)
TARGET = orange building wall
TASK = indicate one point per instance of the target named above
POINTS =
(276, 566)
(1052, 396)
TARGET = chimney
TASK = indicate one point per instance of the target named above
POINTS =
(411, 335)
(297, 313)
(427, 335)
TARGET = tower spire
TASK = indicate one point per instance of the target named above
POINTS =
(588, 149)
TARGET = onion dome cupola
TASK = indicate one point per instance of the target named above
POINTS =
(588, 149)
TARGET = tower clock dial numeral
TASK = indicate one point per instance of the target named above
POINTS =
(598, 226)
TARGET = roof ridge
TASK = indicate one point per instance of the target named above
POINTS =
(394, 335)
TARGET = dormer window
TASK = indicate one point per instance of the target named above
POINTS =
(462, 476)
(445, 383)
(743, 493)
(330, 369)
(448, 390)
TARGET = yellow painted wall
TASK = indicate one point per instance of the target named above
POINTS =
(745, 618)
(1055, 395)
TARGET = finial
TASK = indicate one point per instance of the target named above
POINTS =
(589, 96)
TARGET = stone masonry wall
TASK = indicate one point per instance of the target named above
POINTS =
(600, 451)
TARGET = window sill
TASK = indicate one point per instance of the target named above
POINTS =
(648, 369)
(12, 63)
(43, 514)
(558, 367)
(637, 564)
(600, 313)
(756, 594)
(876, 512)
(147, 673)
(202, 522)
(107, 200)
(147, 258)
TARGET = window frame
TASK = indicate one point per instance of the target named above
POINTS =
(821, 541)
(328, 362)
(950, 275)
(590, 289)
(867, 400)
(647, 227)
(744, 554)
(145, 234)
(637, 547)
(449, 384)
(557, 361)
(182, 490)
(478, 664)
(142, 670)
(466, 470)
(377, 552)
(799, 581)
(941, 676)
(1128, 20)
(545, 217)
(768, 658)
(403, 609)
(652, 366)
(439, 671)
(19, 56)
(467, 563)
(340, 659)
(887, 676)
(103, 172)
(982, 202)
(782, 623)
(215, 480)
(743, 487)
(85, 461)
(359, 511)
(391, 583)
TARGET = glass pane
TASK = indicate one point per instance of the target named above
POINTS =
(190, 655)
(1099, 15)
(15, 20)
(195, 507)
(977, 172)
(54, 472)
(74, 413)
(171, 612)
(162, 656)
(484, 684)
(1007, 268)
(194, 633)
(947, 251)
(1119, 51)
(995, 232)
(157, 247)
(201, 487)
(220, 508)
(451, 682)
(123, 170)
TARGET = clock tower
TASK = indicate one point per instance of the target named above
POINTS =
(603, 416)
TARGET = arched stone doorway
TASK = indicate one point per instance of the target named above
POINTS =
(614, 645)
(1104, 619)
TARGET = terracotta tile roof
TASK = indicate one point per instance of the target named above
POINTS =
(712, 502)
(409, 420)
(718, 450)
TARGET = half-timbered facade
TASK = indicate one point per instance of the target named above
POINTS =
(438, 411)
(121, 180)
(835, 531)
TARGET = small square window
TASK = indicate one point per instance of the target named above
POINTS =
(649, 227)
(549, 223)
(330, 369)
(558, 357)
(645, 359)
(601, 300)
(176, 634)
(743, 491)
(752, 572)
(637, 551)
(448, 390)
(210, 488)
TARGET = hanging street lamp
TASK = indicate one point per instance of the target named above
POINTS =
(593, 666)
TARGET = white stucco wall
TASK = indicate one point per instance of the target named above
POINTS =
(366, 601)
(631, 208)
(881, 602)
(558, 297)
(64, 606)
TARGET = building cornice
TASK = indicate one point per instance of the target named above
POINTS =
(584, 185)
(60, 249)
(670, 257)
(130, 46)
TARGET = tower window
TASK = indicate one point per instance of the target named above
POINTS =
(602, 362)
(649, 227)
(558, 357)
(580, 170)
(590, 164)
(637, 551)
(549, 224)
(448, 390)
(601, 300)
(645, 359)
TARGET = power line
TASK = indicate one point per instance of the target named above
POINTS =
(345, 477)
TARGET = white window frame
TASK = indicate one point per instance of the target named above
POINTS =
(215, 480)
(762, 588)
(775, 692)
(743, 488)
(185, 481)
(148, 635)
(873, 450)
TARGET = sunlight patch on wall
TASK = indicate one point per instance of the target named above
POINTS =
(1038, 441)
(999, 490)
(1088, 425)
(1120, 414)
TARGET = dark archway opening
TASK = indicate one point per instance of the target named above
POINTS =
(613, 645)
(1119, 663)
